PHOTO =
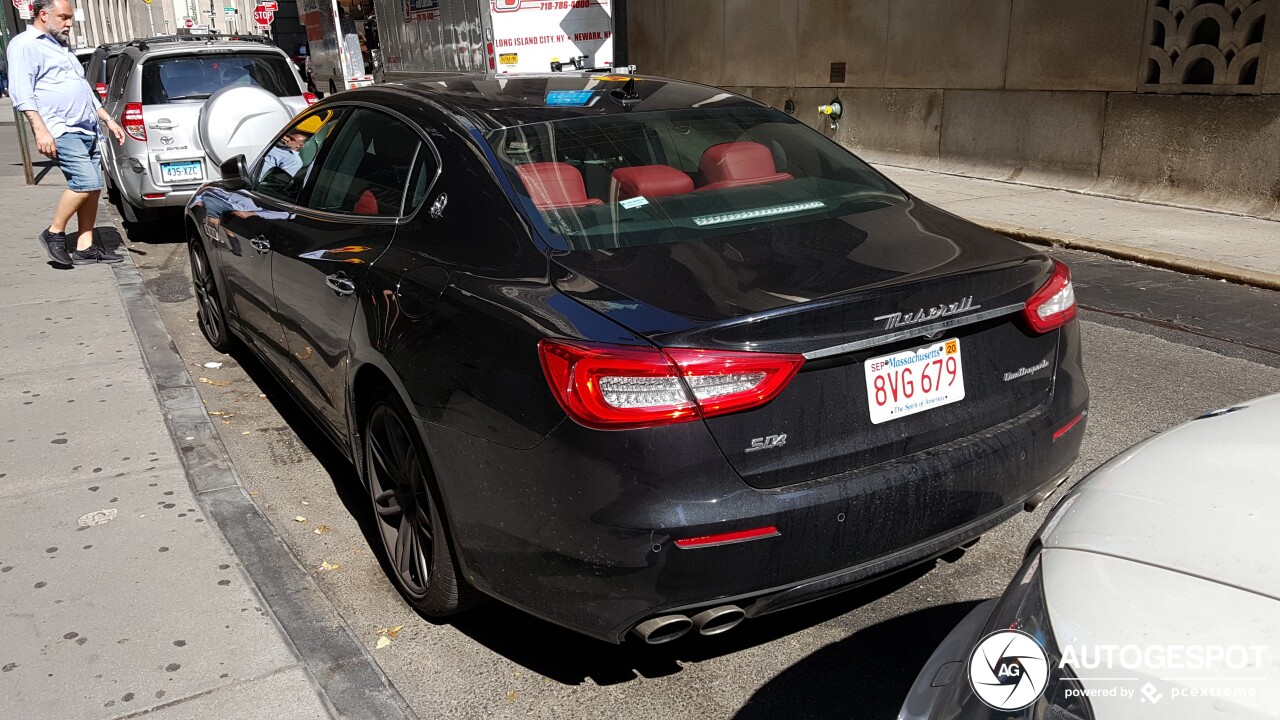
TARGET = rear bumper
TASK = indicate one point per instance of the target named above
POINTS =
(135, 186)
(580, 530)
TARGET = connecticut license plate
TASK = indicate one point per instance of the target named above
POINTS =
(181, 172)
(913, 381)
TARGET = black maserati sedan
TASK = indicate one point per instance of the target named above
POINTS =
(637, 356)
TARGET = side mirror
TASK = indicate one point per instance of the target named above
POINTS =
(235, 173)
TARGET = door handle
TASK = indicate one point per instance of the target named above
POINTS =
(340, 284)
(163, 124)
(261, 244)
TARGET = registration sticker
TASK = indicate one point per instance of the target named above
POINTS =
(913, 381)
(182, 172)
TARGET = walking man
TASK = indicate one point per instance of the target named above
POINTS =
(48, 86)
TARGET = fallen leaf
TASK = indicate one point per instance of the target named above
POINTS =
(391, 632)
(511, 696)
(222, 414)
(246, 432)
(215, 383)
(383, 641)
(213, 365)
(299, 519)
(322, 529)
(326, 566)
(253, 492)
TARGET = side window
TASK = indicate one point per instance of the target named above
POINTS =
(366, 169)
(282, 169)
(425, 169)
(119, 77)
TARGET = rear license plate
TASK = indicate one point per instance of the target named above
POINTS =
(180, 172)
(913, 381)
(509, 58)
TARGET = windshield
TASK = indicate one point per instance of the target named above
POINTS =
(196, 77)
(656, 177)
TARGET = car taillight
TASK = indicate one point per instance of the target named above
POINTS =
(1054, 304)
(101, 89)
(615, 387)
(493, 65)
(133, 124)
(310, 98)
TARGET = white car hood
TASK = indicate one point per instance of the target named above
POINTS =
(1098, 602)
(1202, 499)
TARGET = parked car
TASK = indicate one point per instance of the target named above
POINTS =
(1162, 554)
(98, 68)
(83, 55)
(158, 91)
(638, 354)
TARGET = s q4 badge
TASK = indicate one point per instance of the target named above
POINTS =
(768, 442)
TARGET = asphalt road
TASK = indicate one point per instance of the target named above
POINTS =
(1160, 348)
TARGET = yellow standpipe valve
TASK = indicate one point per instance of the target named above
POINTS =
(833, 110)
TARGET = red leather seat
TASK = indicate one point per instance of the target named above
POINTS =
(651, 181)
(736, 164)
(555, 185)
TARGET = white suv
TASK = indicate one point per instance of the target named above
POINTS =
(158, 92)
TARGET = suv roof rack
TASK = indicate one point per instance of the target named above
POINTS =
(212, 37)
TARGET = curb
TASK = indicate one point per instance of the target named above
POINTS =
(344, 674)
(1155, 258)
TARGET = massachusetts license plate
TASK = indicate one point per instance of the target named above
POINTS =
(180, 172)
(913, 381)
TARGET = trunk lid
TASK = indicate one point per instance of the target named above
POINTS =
(841, 291)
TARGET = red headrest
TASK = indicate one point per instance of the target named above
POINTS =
(738, 163)
(366, 204)
(554, 185)
(651, 181)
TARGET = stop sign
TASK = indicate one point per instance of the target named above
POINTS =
(189, 22)
(263, 16)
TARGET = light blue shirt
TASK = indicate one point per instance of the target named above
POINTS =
(45, 76)
(284, 158)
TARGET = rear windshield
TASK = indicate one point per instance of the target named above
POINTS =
(195, 77)
(656, 177)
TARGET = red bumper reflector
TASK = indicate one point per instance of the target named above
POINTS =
(153, 196)
(727, 538)
(1066, 428)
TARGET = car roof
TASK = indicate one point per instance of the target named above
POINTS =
(197, 43)
(493, 102)
(1199, 499)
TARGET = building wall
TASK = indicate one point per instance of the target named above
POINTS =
(1166, 100)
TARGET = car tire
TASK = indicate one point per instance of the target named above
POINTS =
(211, 315)
(406, 509)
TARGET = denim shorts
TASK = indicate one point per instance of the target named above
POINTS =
(80, 160)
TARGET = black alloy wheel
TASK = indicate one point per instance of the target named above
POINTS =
(213, 321)
(407, 514)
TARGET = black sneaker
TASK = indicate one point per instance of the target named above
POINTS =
(56, 245)
(93, 255)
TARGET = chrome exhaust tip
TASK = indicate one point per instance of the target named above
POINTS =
(666, 628)
(719, 619)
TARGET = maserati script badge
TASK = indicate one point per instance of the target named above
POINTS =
(899, 319)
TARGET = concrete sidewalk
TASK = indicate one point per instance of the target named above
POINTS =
(1232, 247)
(121, 593)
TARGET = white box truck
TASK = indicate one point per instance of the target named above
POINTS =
(334, 56)
(493, 36)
